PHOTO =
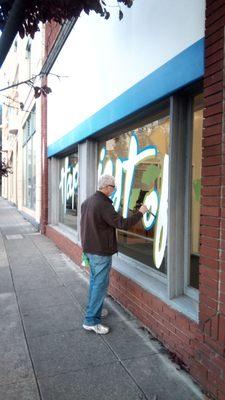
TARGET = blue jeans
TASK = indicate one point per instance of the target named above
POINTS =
(99, 282)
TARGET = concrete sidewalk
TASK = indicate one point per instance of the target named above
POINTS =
(44, 352)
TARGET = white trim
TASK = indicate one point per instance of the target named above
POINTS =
(192, 293)
(152, 273)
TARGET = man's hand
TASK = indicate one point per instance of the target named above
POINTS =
(143, 209)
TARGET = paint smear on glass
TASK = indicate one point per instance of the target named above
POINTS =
(133, 198)
(197, 189)
(151, 174)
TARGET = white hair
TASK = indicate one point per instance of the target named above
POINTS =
(106, 180)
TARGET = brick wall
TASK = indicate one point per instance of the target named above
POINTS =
(179, 334)
(44, 163)
(51, 32)
(66, 245)
(210, 353)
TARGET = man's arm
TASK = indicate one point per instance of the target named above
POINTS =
(114, 219)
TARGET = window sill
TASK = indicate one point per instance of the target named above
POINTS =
(155, 284)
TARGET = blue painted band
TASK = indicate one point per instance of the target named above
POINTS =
(186, 67)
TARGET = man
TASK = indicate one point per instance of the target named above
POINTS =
(99, 221)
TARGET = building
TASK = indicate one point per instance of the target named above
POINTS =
(21, 133)
(143, 101)
(0, 146)
(142, 98)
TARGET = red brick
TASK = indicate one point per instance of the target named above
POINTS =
(214, 37)
(209, 262)
(200, 372)
(169, 312)
(212, 383)
(222, 294)
(214, 345)
(222, 308)
(211, 80)
(211, 110)
(212, 160)
(211, 171)
(211, 294)
(206, 313)
(211, 201)
(211, 181)
(212, 140)
(214, 68)
(210, 211)
(212, 135)
(211, 150)
(218, 97)
(218, 360)
(211, 242)
(214, 17)
(213, 7)
(213, 120)
(208, 284)
(52, 30)
(215, 327)
(214, 47)
(182, 322)
(212, 303)
(210, 221)
(221, 395)
(213, 58)
(215, 27)
(211, 232)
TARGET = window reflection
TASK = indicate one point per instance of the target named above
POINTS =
(147, 178)
(196, 191)
(29, 161)
(68, 188)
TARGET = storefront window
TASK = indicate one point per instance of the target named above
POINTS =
(68, 189)
(139, 161)
(196, 191)
(29, 161)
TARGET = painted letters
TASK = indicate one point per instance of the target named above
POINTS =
(157, 206)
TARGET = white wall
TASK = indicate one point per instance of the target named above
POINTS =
(102, 59)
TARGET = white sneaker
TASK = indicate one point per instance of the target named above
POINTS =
(99, 328)
(104, 313)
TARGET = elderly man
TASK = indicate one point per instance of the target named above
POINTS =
(99, 221)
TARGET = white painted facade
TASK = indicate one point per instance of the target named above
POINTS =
(103, 59)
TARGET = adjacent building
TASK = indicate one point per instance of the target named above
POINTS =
(21, 133)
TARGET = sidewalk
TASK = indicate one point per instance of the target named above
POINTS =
(44, 352)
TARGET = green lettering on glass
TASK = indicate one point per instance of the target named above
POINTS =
(197, 189)
(133, 198)
(150, 175)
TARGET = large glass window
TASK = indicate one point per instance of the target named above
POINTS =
(68, 189)
(196, 168)
(29, 161)
(139, 161)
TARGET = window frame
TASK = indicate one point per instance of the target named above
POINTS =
(174, 289)
(29, 130)
(61, 212)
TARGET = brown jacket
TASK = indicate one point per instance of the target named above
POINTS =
(99, 221)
